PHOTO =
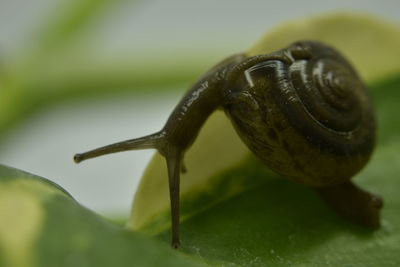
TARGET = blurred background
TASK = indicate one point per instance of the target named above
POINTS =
(78, 74)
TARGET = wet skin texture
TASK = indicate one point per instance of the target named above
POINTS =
(302, 110)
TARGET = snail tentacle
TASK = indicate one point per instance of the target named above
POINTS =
(146, 142)
(174, 166)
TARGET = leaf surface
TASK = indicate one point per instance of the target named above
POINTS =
(42, 225)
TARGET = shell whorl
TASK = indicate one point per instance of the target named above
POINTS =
(330, 93)
(324, 99)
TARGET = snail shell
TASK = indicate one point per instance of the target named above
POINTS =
(305, 113)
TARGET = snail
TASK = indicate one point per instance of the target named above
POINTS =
(302, 110)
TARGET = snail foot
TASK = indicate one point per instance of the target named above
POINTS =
(353, 203)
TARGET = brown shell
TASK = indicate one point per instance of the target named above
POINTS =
(307, 116)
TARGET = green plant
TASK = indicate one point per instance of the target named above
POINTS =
(236, 212)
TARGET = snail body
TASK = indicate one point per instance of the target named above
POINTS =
(302, 110)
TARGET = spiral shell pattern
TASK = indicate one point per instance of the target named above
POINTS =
(323, 98)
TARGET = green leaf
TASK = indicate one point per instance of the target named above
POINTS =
(236, 211)
(42, 225)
